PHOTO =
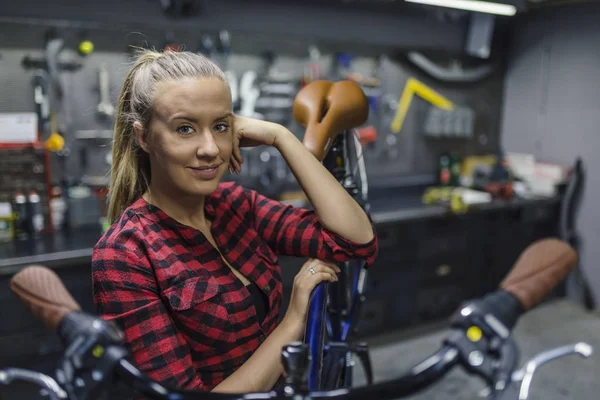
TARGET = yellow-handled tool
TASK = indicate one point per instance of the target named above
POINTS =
(413, 87)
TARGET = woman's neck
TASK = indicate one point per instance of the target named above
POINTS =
(188, 210)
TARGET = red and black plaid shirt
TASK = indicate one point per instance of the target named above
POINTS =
(188, 320)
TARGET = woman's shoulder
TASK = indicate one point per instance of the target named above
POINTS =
(126, 232)
(233, 193)
(230, 188)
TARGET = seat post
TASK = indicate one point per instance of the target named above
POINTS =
(334, 160)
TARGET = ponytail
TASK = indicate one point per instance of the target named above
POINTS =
(130, 169)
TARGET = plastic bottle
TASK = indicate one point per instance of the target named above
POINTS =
(444, 170)
(22, 224)
(37, 218)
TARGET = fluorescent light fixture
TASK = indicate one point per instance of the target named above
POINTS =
(472, 5)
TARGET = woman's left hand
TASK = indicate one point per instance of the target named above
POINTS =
(250, 132)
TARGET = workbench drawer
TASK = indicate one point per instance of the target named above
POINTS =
(440, 301)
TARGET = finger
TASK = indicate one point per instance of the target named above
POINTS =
(333, 266)
(326, 264)
(236, 165)
(322, 276)
(329, 270)
(309, 263)
(237, 153)
(318, 268)
(233, 163)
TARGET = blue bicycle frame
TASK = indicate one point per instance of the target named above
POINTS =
(334, 306)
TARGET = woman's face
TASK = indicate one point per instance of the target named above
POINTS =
(191, 140)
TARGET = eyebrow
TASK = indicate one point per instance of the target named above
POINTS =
(224, 116)
(194, 120)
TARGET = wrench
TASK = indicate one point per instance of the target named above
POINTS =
(105, 106)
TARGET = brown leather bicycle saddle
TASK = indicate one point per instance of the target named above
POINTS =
(326, 109)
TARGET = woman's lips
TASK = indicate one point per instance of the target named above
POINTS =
(206, 173)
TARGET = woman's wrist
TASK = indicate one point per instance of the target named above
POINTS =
(282, 135)
(292, 325)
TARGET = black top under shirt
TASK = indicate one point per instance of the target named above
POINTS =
(261, 301)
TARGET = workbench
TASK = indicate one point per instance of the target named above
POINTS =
(429, 261)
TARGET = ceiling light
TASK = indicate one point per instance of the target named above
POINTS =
(471, 5)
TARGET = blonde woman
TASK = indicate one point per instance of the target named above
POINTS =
(189, 266)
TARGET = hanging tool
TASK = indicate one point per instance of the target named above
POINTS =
(411, 88)
(85, 46)
(55, 141)
(249, 93)
(453, 73)
(170, 44)
(42, 102)
(312, 70)
(53, 48)
(224, 49)
(105, 107)
(207, 47)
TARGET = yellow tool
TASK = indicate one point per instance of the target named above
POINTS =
(55, 141)
(413, 87)
(447, 195)
(86, 47)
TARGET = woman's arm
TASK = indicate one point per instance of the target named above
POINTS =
(263, 368)
(335, 208)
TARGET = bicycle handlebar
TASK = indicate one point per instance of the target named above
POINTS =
(44, 294)
(537, 271)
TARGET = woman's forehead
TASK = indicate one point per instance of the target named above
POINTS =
(196, 96)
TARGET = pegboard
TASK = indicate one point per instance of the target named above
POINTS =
(412, 153)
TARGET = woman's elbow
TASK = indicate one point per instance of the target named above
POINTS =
(367, 235)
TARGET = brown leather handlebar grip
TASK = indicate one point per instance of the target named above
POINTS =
(540, 267)
(44, 294)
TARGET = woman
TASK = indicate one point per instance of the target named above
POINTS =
(189, 267)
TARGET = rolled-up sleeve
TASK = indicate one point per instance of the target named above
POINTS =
(298, 232)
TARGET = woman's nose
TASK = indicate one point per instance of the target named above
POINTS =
(207, 147)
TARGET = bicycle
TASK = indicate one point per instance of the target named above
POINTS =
(479, 340)
(330, 113)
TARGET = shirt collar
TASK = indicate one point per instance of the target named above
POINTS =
(154, 214)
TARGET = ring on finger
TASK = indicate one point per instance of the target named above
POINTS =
(312, 270)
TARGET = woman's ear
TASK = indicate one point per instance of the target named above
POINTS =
(139, 135)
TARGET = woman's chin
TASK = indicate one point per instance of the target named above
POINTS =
(205, 187)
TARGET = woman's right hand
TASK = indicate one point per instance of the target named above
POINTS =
(310, 275)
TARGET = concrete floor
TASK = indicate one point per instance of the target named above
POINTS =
(550, 325)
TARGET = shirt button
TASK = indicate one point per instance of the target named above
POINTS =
(267, 289)
(262, 338)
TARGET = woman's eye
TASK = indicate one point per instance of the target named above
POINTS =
(222, 127)
(185, 130)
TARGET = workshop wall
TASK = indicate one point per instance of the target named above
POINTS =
(551, 105)
(411, 154)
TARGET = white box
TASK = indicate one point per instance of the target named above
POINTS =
(18, 127)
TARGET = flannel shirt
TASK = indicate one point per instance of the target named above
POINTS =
(188, 321)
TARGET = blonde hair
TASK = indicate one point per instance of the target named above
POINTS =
(130, 171)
